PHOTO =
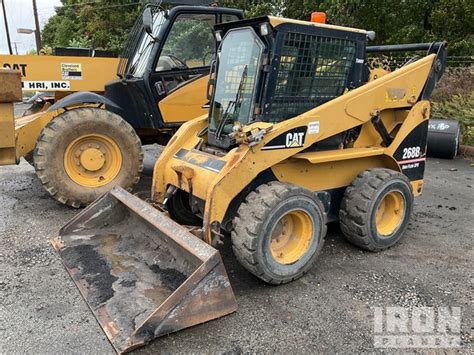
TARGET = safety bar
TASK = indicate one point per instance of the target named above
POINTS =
(432, 47)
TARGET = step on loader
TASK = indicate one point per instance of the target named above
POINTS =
(299, 133)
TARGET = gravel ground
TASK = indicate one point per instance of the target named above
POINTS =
(330, 309)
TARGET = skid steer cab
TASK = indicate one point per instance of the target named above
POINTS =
(299, 133)
(86, 143)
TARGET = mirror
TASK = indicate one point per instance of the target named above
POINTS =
(148, 21)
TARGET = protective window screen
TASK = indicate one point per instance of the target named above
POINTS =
(313, 70)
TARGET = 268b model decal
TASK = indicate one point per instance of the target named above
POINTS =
(411, 154)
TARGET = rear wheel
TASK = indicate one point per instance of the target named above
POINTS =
(376, 209)
(83, 153)
(278, 232)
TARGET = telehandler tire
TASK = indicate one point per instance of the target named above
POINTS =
(278, 232)
(85, 152)
(376, 208)
(180, 210)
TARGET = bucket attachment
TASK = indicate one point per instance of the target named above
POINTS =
(142, 274)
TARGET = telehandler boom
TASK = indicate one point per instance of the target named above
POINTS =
(299, 133)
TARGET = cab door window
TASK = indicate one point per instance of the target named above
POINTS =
(190, 43)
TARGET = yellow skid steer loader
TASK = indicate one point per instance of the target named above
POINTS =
(299, 133)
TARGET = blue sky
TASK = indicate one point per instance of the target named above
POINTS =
(20, 15)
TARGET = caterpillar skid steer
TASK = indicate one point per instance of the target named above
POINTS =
(86, 143)
(299, 133)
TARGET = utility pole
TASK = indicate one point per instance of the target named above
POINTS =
(6, 27)
(37, 31)
(16, 48)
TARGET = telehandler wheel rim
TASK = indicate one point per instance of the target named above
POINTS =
(291, 237)
(92, 160)
(390, 213)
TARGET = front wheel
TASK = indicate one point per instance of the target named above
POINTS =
(83, 153)
(278, 232)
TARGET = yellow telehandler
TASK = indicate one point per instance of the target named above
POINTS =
(86, 143)
(299, 133)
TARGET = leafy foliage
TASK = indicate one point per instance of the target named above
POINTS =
(106, 22)
(453, 98)
(394, 21)
(102, 24)
(455, 81)
(461, 108)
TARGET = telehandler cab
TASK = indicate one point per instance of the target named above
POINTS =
(86, 143)
(299, 133)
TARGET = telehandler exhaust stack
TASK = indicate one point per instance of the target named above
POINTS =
(142, 275)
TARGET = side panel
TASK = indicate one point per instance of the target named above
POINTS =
(411, 153)
(28, 128)
(409, 146)
(58, 73)
(7, 135)
(185, 102)
(326, 176)
(9, 93)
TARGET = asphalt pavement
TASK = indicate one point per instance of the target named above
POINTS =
(331, 309)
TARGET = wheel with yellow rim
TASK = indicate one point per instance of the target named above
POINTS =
(278, 232)
(376, 209)
(83, 153)
(92, 160)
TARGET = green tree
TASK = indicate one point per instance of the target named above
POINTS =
(104, 24)
(398, 21)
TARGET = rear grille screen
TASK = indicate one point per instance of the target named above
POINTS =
(312, 70)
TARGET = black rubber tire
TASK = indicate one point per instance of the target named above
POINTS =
(30, 159)
(180, 210)
(62, 130)
(360, 202)
(254, 222)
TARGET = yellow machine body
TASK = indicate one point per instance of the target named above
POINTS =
(18, 135)
(9, 93)
(186, 101)
(61, 74)
(189, 169)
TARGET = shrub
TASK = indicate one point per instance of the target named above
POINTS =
(461, 108)
(455, 81)
(453, 98)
